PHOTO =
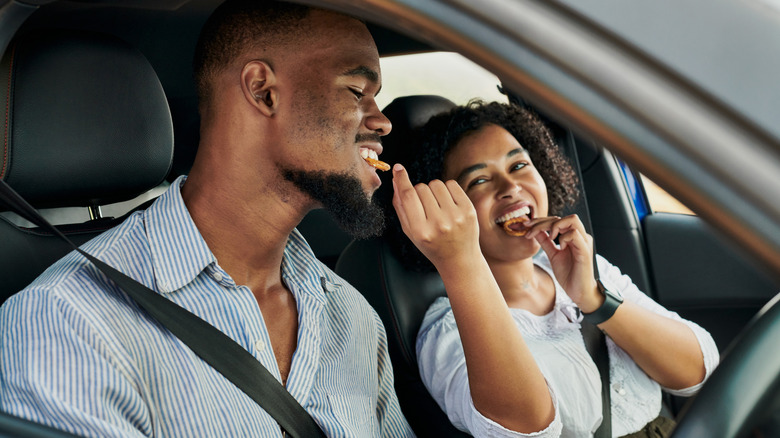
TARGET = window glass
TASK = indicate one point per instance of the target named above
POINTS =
(661, 201)
(445, 74)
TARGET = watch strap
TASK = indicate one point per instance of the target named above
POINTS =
(607, 309)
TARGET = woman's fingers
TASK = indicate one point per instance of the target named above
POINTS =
(568, 231)
(428, 210)
(406, 201)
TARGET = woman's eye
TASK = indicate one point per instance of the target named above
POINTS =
(476, 182)
(358, 93)
(517, 166)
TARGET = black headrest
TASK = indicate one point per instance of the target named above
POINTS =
(86, 120)
(407, 113)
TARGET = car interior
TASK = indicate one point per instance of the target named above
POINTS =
(74, 139)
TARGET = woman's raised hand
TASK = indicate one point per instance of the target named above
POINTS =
(437, 217)
(571, 259)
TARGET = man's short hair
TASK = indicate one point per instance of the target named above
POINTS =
(239, 26)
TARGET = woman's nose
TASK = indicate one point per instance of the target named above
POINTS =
(508, 187)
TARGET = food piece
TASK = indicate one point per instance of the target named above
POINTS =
(510, 221)
(512, 232)
(381, 165)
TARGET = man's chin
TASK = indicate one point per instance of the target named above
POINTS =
(344, 197)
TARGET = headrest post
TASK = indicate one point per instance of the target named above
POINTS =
(94, 212)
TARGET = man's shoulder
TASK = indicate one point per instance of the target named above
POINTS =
(73, 274)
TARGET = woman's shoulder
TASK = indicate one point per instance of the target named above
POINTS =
(439, 313)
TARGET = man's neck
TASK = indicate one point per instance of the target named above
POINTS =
(247, 232)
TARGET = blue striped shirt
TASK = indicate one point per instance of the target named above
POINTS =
(78, 354)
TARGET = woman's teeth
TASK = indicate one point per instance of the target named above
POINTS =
(511, 215)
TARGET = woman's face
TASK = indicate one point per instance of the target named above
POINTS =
(498, 176)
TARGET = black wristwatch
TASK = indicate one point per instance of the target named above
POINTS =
(612, 299)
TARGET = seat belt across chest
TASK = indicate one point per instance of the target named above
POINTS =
(217, 349)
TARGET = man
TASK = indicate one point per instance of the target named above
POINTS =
(288, 113)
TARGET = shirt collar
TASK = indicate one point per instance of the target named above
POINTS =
(178, 250)
(179, 253)
(302, 268)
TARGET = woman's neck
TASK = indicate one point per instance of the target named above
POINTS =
(525, 285)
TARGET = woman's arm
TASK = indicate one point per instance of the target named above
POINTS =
(665, 348)
(701, 344)
(440, 220)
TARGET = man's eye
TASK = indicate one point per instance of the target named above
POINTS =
(358, 93)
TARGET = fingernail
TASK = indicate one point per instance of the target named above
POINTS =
(398, 167)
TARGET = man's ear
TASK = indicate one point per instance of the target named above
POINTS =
(258, 83)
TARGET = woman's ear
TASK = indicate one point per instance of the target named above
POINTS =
(258, 83)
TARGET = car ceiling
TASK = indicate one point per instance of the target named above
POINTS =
(177, 23)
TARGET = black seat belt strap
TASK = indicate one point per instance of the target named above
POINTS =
(210, 344)
(596, 343)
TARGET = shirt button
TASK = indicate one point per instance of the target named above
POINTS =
(217, 276)
(259, 345)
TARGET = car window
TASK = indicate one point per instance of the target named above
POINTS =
(445, 74)
(649, 197)
(660, 200)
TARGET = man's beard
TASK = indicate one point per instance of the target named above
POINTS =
(342, 195)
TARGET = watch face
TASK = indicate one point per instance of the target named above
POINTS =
(614, 293)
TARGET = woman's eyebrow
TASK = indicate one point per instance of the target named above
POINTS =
(514, 152)
(462, 175)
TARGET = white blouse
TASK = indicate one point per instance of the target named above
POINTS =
(557, 345)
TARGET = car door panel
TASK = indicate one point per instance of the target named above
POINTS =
(703, 277)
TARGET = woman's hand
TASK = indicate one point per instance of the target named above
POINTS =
(571, 259)
(437, 217)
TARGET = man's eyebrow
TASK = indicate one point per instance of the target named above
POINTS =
(366, 72)
(462, 175)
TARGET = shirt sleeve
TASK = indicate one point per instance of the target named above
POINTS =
(442, 366)
(55, 370)
(612, 277)
(392, 422)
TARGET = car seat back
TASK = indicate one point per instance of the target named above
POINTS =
(86, 124)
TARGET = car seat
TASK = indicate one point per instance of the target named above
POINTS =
(86, 124)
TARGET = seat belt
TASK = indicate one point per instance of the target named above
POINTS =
(596, 344)
(217, 349)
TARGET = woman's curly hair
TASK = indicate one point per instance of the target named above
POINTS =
(444, 131)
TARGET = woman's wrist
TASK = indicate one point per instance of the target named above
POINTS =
(592, 300)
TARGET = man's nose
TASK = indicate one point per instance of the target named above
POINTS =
(377, 122)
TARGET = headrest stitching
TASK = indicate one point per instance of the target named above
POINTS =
(7, 114)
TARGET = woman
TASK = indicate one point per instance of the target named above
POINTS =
(503, 354)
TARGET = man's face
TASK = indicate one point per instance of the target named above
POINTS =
(334, 119)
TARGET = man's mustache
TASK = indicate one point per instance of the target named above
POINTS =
(370, 137)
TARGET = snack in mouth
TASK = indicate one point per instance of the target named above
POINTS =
(381, 165)
(512, 221)
(515, 232)
(372, 159)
